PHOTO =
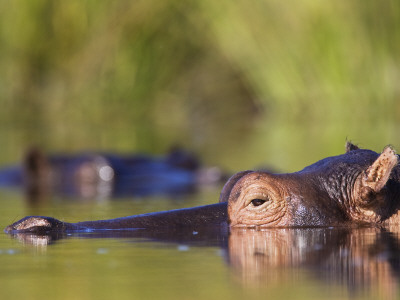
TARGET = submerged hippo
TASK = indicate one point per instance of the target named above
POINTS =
(356, 188)
(91, 174)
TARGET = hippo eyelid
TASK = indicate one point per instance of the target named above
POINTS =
(257, 198)
(258, 202)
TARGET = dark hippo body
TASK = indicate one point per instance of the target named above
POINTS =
(211, 216)
(109, 175)
(360, 187)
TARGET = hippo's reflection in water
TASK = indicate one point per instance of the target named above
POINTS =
(358, 259)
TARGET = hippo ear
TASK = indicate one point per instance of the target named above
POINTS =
(350, 147)
(379, 172)
(226, 190)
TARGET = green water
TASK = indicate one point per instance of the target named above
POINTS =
(295, 264)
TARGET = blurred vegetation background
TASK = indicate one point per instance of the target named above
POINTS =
(240, 83)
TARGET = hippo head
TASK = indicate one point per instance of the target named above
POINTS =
(358, 186)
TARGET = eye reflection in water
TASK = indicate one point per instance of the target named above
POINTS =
(357, 259)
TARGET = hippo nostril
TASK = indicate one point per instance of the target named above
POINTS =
(258, 202)
(9, 229)
(33, 224)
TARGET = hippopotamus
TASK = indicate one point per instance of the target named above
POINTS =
(92, 174)
(358, 188)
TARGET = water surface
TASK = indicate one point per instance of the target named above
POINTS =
(312, 263)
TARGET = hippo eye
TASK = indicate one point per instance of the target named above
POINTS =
(258, 202)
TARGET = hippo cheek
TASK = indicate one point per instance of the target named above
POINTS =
(268, 216)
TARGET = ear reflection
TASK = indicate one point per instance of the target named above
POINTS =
(354, 258)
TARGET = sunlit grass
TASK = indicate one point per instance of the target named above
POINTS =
(209, 75)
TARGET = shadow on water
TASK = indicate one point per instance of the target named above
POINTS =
(357, 259)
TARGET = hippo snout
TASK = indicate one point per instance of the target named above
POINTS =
(34, 224)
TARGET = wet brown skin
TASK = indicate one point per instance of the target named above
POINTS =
(359, 187)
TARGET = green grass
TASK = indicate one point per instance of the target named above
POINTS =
(214, 76)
